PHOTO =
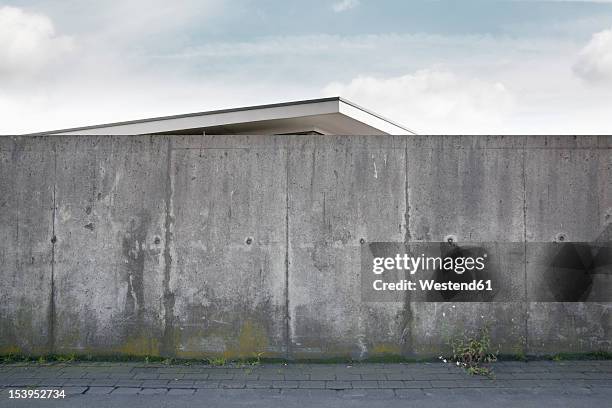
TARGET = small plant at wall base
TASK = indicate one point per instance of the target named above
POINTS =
(217, 362)
(255, 360)
(471, 352)
(69, 358)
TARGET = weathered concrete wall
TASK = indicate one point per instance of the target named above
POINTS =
(195, 246)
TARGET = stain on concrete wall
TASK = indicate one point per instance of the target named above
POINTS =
(228, 274)
(567, 195)
(343, 192)
(27, 179)
(470, 188)
(110, 225)
(196, 246)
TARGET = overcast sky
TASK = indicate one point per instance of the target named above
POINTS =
(455, 67)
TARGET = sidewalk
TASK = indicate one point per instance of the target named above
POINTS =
(568, 383)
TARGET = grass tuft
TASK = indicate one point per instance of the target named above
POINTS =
(473, 351)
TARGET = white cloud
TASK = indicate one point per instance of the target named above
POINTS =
(28, 42)
(136, 60)
(432, 101)
(595, 60)
(139, 21)
(398, 47)
(344, 5)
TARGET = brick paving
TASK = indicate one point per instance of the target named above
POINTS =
(380, 381)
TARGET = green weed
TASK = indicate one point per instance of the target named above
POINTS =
(217, 362)
(471, 352)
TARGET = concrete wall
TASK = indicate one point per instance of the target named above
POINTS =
(195, 246)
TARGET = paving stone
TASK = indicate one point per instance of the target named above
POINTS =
(181, 384)
(74, 390)
(575, 390)
(595, 375)
(593, 383)
(391, 384)
(272, 376)
(96, 375)
(488, 383)
(220, 376)
(412, 394)
(146, 376)
(232, 384)
(505, 376)
(452, 376)
(259, 384)
(375, 394)
(547, 383)
(206, 384)
(309, 393)
(123, 376)
(99, 390)
(285, 384)
(171, 372)
(30, 382)
(426, 376)
(417, 384)
(364, 384)
(297, 376)
(399, 376)
(129, 383)
(323, 376)
(338, 385)
(181, 391)
(311, 384)
(154, 383)
(82, 382)
(196, 376)
(538, 376)
(373, 376)
(69, 374)
(126, 390)
(100, 382)
(454, 383)
(153, 391)
(170, 376)
(246, 376)
(348, 377)
(250, 394)
(535, 369)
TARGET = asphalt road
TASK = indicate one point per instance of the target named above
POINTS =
(518, 397)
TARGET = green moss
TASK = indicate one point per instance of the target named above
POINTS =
(385, 349)
(140, 346)
(393, 358)
(9, 350)
(512, 357)
(256, 360)
(596, 355)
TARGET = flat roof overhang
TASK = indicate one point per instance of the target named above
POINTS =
(326, 116)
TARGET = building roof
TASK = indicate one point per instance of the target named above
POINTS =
(325, 116)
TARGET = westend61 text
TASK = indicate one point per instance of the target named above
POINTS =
(425, 285)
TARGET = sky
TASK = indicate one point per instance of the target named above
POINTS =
(437, 67)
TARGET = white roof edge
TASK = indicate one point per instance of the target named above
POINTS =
(222, 117)
(371, 118)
